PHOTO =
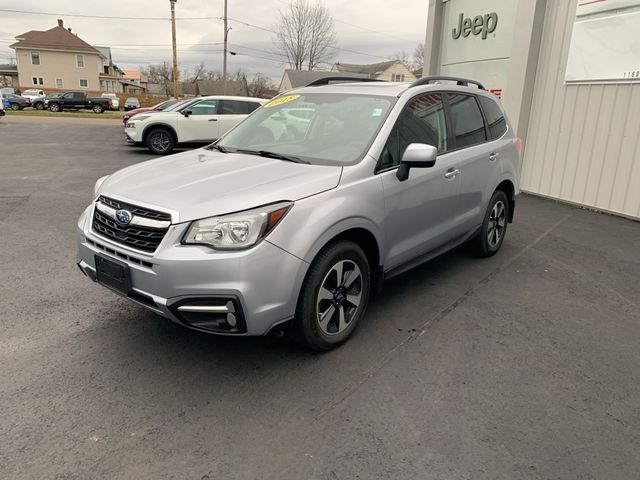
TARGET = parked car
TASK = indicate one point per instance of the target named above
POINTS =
(4, 90)
(131, 103)
(15, 102)
(78, 101)
(51, 96)
(156, 108)
(36, 98)
(115, 101)
(201, 120)
(261, 231)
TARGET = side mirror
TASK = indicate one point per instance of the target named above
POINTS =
(417, 155)
(186, 113)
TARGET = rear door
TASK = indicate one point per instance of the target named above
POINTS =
(477, 163)
(202, 124)
(233, 112)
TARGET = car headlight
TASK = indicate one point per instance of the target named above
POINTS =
(99, 182)
(238, 230)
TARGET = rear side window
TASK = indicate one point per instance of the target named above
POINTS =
(468, 125)
(495, 118)
(238, 107)
(421, 121)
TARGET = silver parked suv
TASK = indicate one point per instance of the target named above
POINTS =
(299, 213)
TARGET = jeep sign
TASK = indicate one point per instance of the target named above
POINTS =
(478, 26)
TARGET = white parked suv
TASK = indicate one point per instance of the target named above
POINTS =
(36, 97)
(115, 101)
(202, 120)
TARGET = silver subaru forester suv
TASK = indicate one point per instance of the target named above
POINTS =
(297, 215)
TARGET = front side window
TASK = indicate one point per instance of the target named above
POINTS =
(35, 58)
(80, 61)
(84, 83)
(468, 125)
(319, 128)
(495, 118)
(206, 107)
(421, 121)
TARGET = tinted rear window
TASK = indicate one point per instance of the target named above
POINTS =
(495, 118)
(468, 125)
(238, 107)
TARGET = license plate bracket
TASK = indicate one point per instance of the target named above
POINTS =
(113, 274)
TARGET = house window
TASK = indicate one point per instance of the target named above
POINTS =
(398, 77)
(80, 61)
(37, 80)
(84, 83)
(59, 83)
(35, 58)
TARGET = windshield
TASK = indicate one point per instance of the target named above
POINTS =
(179, 105)
(321, 128)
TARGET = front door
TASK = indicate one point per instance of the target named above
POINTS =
(422, 212)
(202, 124)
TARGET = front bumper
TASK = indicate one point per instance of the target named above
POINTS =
(133, 134)
(260, 285)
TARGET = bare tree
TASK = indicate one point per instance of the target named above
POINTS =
(418, 57)
(161, 74)
(306, 34)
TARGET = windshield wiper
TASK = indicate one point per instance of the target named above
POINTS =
(217, 147)
(277, 156)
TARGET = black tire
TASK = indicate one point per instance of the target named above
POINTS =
(309, 330)
(97, 108)
(15, 106)
(494, 226)
(55, 107)
(160, 141)
(39, 106)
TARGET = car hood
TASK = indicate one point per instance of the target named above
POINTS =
(203, 183)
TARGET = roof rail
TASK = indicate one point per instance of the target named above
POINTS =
(326, 80)
(463, 82)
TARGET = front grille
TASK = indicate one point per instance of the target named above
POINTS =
(137, 211)
(140, 237)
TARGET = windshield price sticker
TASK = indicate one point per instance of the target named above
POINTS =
(281, 100)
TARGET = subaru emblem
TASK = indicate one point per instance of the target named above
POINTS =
(123, 216)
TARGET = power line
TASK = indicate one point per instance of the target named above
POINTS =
(108, 17)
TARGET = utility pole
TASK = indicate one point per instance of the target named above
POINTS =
(174, 75)
(224, 60)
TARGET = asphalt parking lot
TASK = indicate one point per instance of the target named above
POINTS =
(522, 366)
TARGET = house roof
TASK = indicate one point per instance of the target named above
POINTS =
(57, 38)
(301, 78)
(132, 74)
(369, 69)
(106, 53)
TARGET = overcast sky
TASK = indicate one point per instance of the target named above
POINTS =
(374, 29)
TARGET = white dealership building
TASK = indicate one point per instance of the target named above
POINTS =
(568, 73)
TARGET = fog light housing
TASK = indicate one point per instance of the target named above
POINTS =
(211, 314)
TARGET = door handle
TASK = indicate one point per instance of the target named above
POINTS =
(450, 174)
(493, 156)
(212, 120)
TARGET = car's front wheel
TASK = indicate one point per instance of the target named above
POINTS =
(97, 108)
(160, 141)
(39, 106)
(494, 226)
(334, 296)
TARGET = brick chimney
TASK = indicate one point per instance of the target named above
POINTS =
(60, 24)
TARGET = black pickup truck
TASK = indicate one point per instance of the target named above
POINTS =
(77, 101)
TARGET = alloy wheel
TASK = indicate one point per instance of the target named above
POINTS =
(339, 297)
(160, 141)
(497, 222)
